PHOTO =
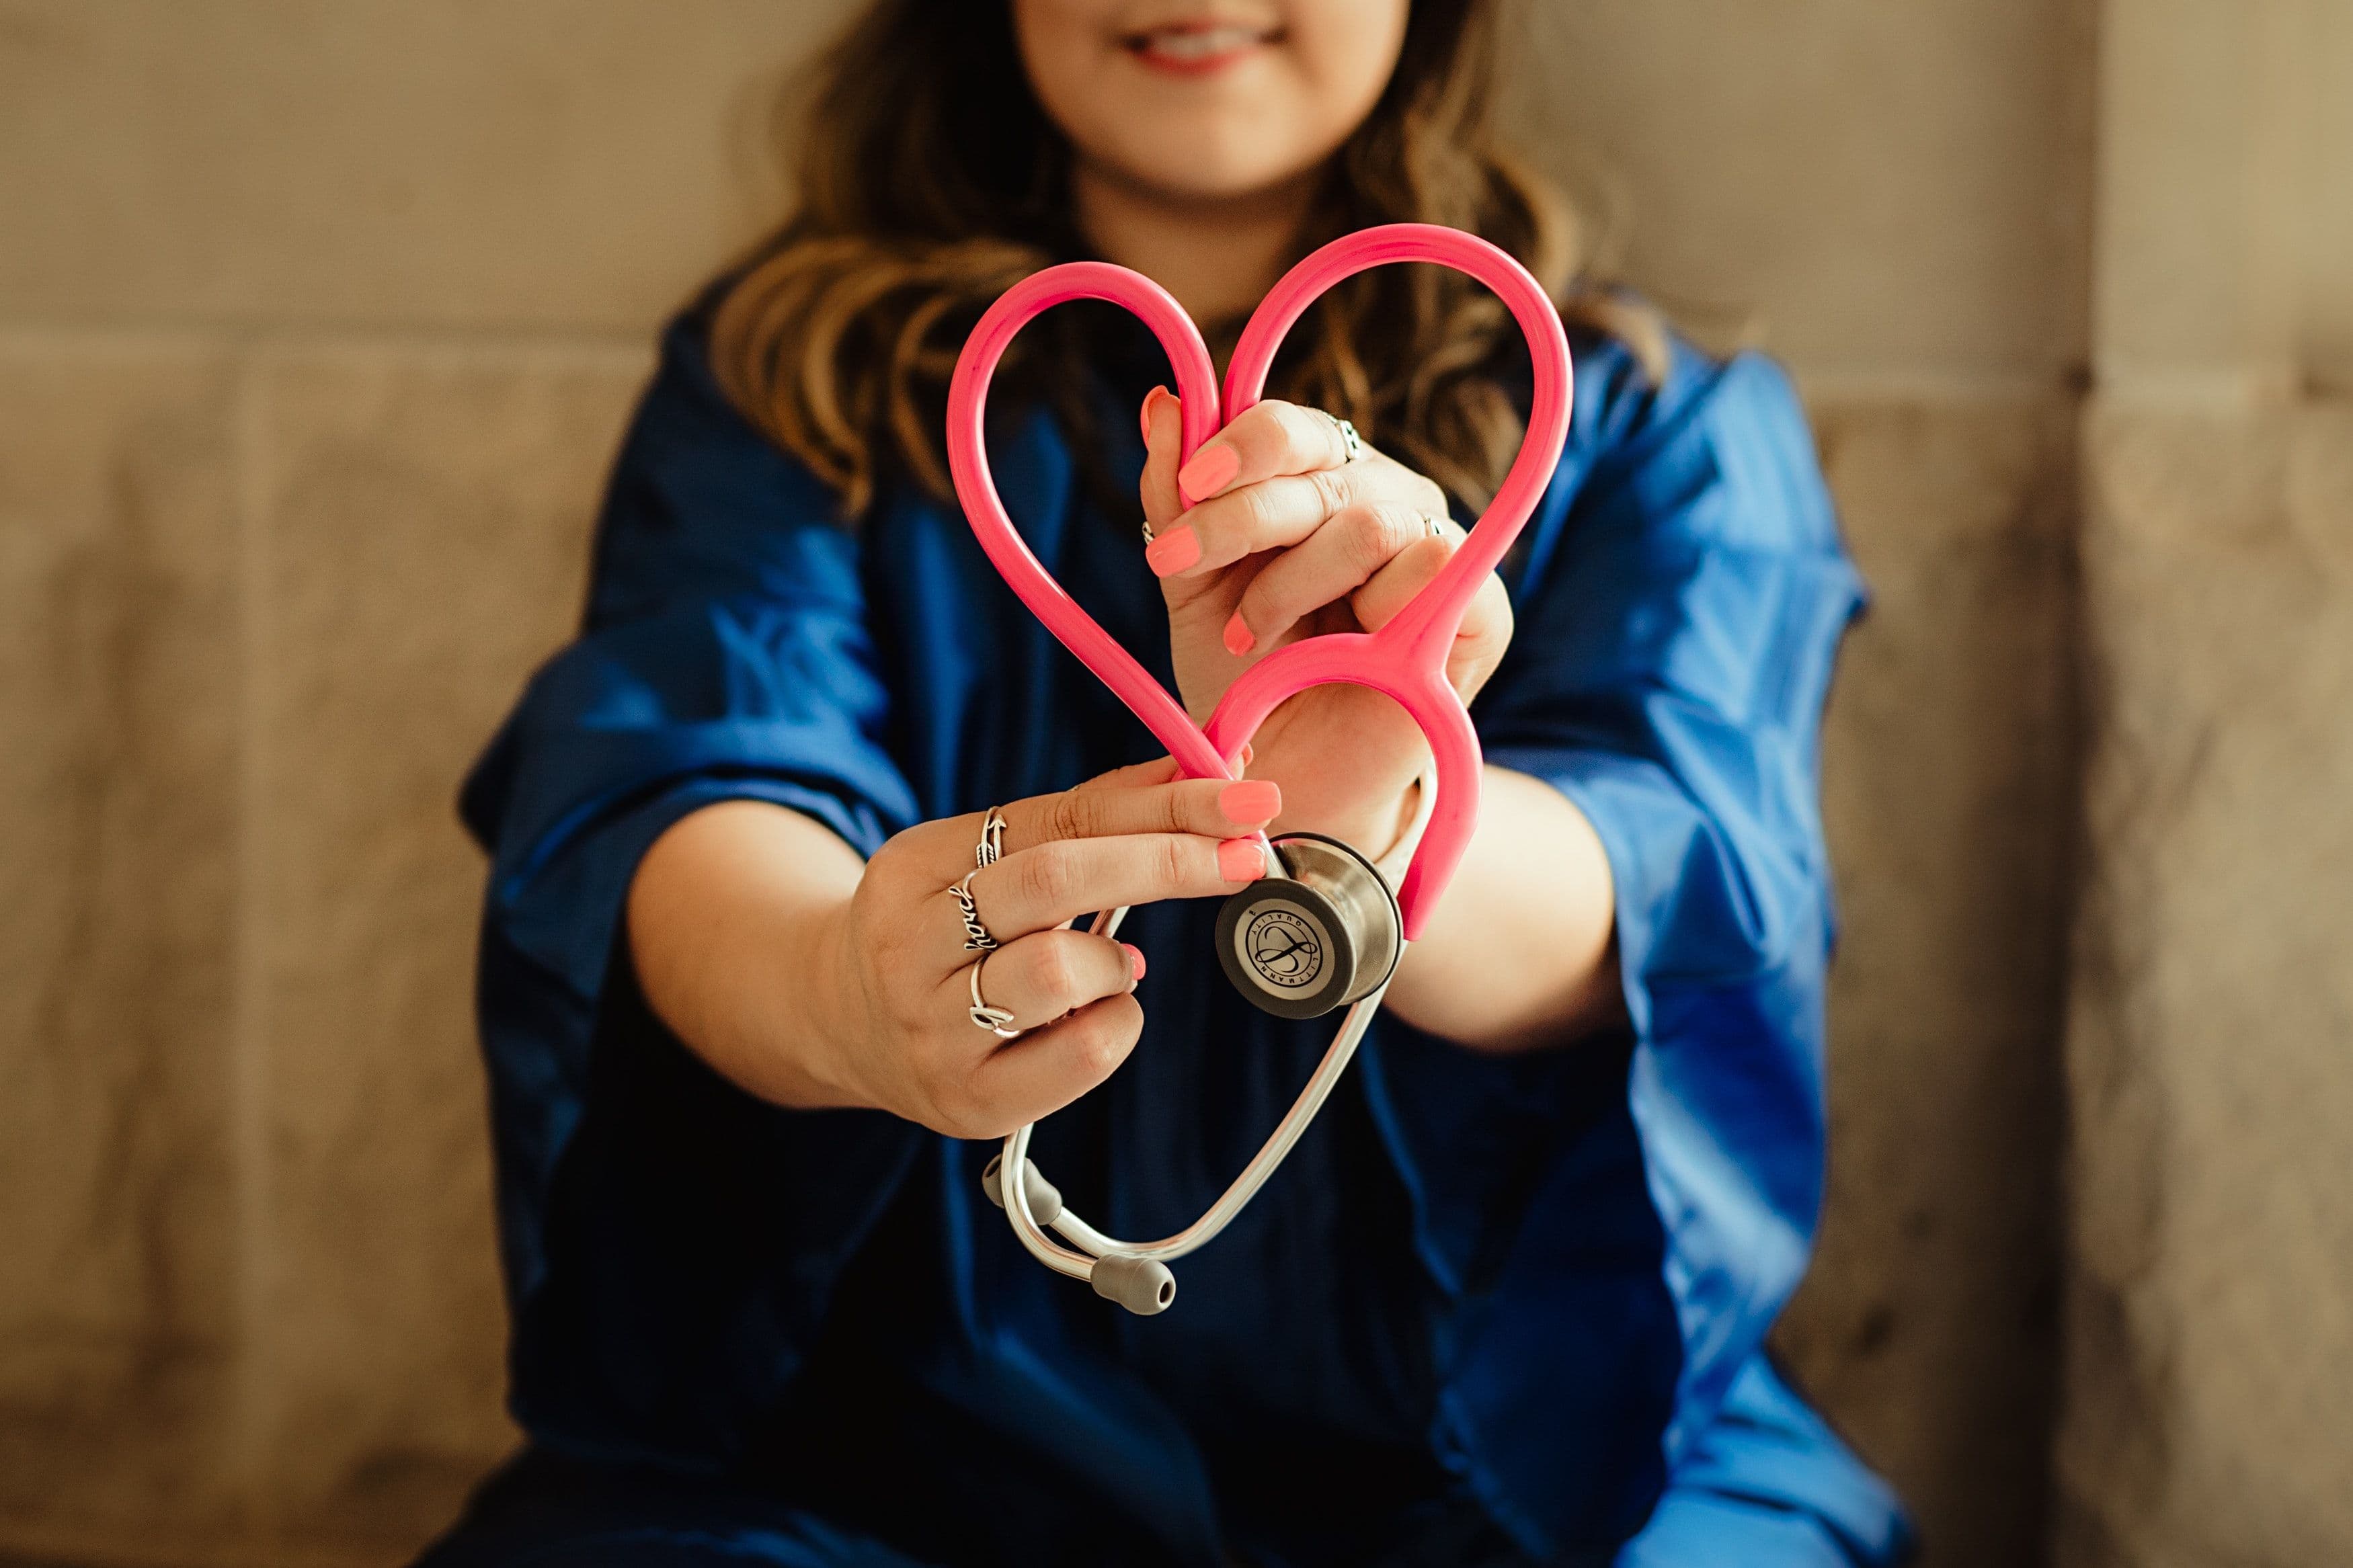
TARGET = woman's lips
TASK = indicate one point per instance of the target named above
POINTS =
(1195, 49)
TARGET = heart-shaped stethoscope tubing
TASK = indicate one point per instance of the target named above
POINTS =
(1405, 661)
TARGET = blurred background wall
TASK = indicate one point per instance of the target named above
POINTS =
(319, 320)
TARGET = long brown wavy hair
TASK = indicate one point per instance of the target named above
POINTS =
(931, 181)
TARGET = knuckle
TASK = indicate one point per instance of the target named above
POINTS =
(1175, 860)
(1055, 972)
(1102, 1038)
(1380, 532)
(1309, 429)
(1070, 816)
(1046, 874)
(1269, 420)
(1261, 507)
(1332, 488)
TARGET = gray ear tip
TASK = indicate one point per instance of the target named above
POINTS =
(1045, 1198)
(1141, 1285)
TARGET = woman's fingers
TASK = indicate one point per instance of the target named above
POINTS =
(1105, 808)
(1040, 887)
(1265, 439)
(1353, 546)
(1047, 1068)
(1051, 972)
(1279, 512)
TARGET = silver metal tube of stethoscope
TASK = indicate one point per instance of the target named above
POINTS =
(1094, 1244)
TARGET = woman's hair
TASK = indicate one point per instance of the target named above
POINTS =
(929, 181)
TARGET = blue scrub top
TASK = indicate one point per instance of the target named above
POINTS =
(1514, 1301)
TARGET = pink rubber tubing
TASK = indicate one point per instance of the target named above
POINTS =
(1406, 660)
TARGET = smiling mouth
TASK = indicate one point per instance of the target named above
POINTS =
(1197, 48)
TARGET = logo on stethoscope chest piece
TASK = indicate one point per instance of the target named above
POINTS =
(1284, 948)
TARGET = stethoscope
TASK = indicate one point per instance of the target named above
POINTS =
(1328, 929)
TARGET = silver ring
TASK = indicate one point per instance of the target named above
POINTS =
(976, 935)
(993, 1019)
(991, 848)
(1437, 528)
(1348, 437)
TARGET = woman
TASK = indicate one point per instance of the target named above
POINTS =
(1504, 1304)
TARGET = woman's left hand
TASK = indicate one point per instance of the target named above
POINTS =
(1270, 534)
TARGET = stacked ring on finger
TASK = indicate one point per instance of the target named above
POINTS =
(996, 1020)
(1349, 440)
(976, 935)
(991, 848)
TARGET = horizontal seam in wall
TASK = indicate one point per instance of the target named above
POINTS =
(264, 337)
(1930, 385)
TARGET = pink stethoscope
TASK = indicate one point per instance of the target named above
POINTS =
(1327, 931)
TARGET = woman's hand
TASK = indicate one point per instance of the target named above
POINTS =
(816, 982)
(1271, 534)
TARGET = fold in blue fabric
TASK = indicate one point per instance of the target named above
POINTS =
(1518, 1302)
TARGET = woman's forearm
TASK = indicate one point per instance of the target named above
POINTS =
(1519, 953)
(731, 917)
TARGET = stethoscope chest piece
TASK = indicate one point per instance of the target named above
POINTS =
(1321, 933)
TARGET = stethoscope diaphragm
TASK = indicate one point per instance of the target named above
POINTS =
(1320, 933)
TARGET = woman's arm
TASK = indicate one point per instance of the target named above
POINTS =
(1519, 954)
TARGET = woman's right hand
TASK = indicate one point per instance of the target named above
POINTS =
(876, 1004)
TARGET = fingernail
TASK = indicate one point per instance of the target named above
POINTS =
(1238, 640)
(1134, 961)
(1151, 401)
(1211, 470)
(1247, 753)
(1240, 861)
(1250, 800)
(1173, 552)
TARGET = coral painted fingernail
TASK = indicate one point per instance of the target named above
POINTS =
(1239, 861)
(1247, 753)
(1238, 640)
(1134, 961)
(1212, 469)
(1173, 552)
(1250, 800)
(1151, 401)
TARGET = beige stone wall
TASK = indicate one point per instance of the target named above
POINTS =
(318, 319)
(1895, 199)
(2209, 1262)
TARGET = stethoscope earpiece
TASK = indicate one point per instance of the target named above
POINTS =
(1320, 934)
(1045, 1198)
(1141, 1285)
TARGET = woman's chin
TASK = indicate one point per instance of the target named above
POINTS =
(1218, 165)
